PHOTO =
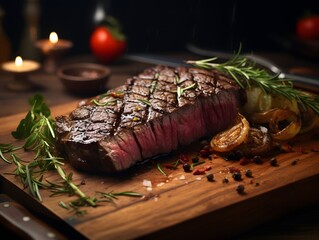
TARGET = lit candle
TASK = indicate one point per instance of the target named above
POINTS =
(53, 48)
(21, 69)
(53, 37)
(53, 45)
(20, 66)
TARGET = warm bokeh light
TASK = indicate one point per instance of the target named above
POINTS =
(53, 37)
(18, 61)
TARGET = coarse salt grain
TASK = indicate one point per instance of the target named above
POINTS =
(160, 184)
(147, 183)
(198, 178)
(182, 177)
(149, 188)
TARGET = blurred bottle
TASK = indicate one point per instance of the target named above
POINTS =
(100, 12)
(30, 33)
(5, 45)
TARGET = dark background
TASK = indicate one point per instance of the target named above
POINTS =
(166, 25)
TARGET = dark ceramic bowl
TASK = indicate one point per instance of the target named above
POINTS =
(84, 78)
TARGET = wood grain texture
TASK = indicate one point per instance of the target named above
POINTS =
(181, 204)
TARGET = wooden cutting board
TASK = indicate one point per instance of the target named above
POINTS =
(181, 204)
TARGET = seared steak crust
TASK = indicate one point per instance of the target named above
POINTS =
(153, 113)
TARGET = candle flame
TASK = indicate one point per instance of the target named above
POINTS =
(53, 37)
(18, 61)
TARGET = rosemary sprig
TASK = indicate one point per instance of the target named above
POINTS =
(75, 206)
(37, 130)
(246, 74)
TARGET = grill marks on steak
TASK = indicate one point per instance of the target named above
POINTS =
(153, 113)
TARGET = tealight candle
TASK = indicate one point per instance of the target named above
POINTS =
(53, 48)
(20, 68)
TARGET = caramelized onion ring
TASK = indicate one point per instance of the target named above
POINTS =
(263, 117)
(231, 137)
(289, 131)
(309, 120)
(273, 117)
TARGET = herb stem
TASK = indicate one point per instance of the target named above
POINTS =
(160, 169)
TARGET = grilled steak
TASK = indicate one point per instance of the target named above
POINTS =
(153, 113)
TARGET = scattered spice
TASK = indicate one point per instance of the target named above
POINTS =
(294, 162)
(206, 151)
(233, 169)
(186, 167)
(273, 162)
(183, 158)
(257, 159)
(195, 159)
(147, 183)
(182, 177)
(240, 188)
(199, 171)
(225, 180)
(244, 161)
(210, 177)
(249, 173)
(170, 166)
(237, 176)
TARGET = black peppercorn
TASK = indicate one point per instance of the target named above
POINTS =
(240, 189)
(294, 162)
(210, 177)
(248, 173)
(257, 159)
(225, 180)
(195, 159)
(186, 167)
(237, 176)
(273, 162)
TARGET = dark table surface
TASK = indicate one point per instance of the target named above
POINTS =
(301, 224)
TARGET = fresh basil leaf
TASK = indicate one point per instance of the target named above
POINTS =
(24, 128)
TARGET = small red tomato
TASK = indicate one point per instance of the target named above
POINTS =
(307, 28)
(104, 46)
